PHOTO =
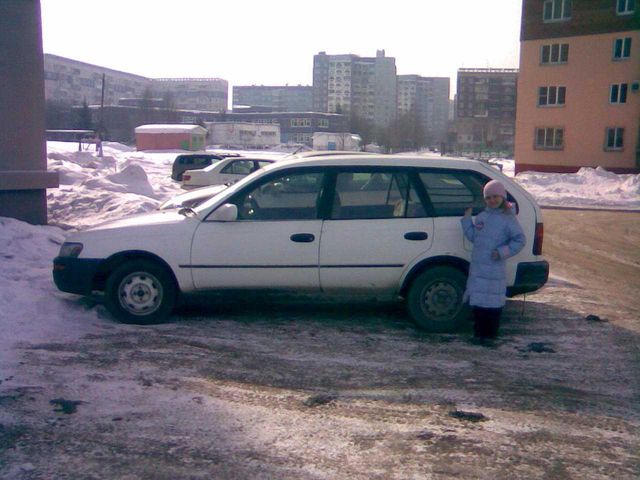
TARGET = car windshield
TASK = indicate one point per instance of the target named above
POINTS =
(214, 163)
(207, 203)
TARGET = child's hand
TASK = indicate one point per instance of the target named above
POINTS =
(468, 212)
(495, 255)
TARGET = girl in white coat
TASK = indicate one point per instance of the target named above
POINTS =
(496, 235)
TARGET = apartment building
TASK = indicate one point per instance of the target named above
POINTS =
(276, 98)
(426, 99)
(486, 109)
(193, 93)
(578, 88)
(353, 85)
(72, 82)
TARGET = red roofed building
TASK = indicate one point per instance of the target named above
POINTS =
(170, 137)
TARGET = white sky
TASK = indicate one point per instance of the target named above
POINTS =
(261, 42)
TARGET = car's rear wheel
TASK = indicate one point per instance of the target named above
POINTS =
(140, 292)
(435, 299)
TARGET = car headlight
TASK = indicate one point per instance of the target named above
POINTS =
(70, 249)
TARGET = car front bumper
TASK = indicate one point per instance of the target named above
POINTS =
(530, 276)
(75, 275)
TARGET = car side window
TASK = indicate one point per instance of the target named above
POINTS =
(288, 197)
(451, 193)
(239, 167)
(366, 195)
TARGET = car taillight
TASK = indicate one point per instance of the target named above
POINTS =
(186, 177)
(537, 241)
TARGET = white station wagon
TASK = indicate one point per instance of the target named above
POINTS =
(384, 226)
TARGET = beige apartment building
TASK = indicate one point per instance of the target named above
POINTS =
(578, 89)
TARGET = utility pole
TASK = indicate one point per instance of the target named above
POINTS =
(101, 124)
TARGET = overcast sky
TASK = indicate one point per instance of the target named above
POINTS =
(253, 42)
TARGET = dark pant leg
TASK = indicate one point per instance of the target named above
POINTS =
(493, 325)
(480, 322)
(487, 322)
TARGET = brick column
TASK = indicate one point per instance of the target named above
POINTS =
(23, 162)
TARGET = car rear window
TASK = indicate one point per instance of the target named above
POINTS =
(451, 192)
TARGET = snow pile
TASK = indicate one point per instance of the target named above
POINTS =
(31, 307)
(592, 187)
(95, 189)
(124, 181)
(506, 166)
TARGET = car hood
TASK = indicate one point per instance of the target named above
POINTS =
(155, 218)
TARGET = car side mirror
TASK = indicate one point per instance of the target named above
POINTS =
(225, 213)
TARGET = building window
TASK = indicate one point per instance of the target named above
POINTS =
(323, 123)
(549, 96)
(614, 138)
(557, 10)
(554, 53)
(618, 93)
(549, 138)
(625, 7)
(300, 122)
(622, 48)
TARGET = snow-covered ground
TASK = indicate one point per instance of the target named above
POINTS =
(124, 181)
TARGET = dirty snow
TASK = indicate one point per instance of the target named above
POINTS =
(221, 424)
(125, 181)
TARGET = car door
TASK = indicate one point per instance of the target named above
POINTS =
(274, 243)
(377, 225)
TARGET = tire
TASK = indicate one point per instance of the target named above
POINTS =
(140, 292)
(435, 299)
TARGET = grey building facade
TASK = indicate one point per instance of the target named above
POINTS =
(72, 82)
(426, 99)
(295, 127)
(486, 109)
(195, 93)
(353, 85)
(277, 98)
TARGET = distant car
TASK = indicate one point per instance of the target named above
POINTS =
(193, 161)
(192, 198)
(224, 171)
(380, 225)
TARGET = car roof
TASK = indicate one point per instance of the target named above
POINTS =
(379, 160)
(210, 155)
(327, 153)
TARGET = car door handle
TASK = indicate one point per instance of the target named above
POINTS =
(303, 237)
(416, 235)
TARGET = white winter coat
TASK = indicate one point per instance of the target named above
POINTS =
(494, 229)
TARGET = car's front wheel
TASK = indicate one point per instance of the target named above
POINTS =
(140, 292)
(435, 299)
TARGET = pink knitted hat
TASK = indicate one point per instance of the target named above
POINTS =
(494, 187)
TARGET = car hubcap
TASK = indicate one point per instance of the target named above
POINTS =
(440, 300)
(140, 293)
